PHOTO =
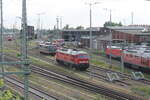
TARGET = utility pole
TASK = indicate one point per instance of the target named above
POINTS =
(61, 27)
(110, 14)
(122, 59)
(61, 23)
(132, 14)
(25, 67)
(110, 46)
(24, 59)
(1, 37)
(39, 25)
(57, 20)
(90, 5)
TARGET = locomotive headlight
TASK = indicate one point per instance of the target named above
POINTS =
(83, 62)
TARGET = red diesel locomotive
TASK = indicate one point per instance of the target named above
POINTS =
(137, 58)
(114, 51)
(78, 60)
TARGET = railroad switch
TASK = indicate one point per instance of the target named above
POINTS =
(113, 76)
(137, 75)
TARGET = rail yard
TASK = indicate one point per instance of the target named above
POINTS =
(37, 62)
(120, 88)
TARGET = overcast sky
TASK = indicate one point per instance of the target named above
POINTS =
(76, 12)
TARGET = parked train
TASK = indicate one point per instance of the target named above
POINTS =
(9, 38)
(48, 49)
(114, 51)
(76, 59)
(135, 56)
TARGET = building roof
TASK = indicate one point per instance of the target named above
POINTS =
(71, 51)
(137, 30)
(141, 52)
(82, 30)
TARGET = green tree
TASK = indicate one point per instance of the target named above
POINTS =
(7, 95)
(17, 98)
(66, 27)
(79, 27)
(1, 83)
(112, 24)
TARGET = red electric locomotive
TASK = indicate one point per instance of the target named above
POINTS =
(73, 58)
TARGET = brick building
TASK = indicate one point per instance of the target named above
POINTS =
(129, 34)
(103, 35)
(77, 34)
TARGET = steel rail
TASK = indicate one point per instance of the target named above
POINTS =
(84, 84)
(41, 94)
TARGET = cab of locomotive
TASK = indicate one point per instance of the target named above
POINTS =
(83, 58)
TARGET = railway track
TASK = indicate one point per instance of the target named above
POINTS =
(83, 84)
(122, 75)
(109, 93)
(104, 78)
(100, 72)
(100, 75)
(37, 92)
(94, 69)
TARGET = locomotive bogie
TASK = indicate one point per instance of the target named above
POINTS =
(81, 67)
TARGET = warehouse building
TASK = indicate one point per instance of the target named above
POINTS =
(103, 35)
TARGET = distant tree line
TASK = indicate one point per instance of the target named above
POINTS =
(112, 24)
(7, 30)
(68, 27)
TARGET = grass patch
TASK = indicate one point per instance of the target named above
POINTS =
(143, 91)
(10, 51)
(100, 97)
(104, 65)
(32, 43)
(38, 61)
(98, 52)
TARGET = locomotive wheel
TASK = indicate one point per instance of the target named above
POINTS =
(73, 67)
(107, 56)
(58, 61)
